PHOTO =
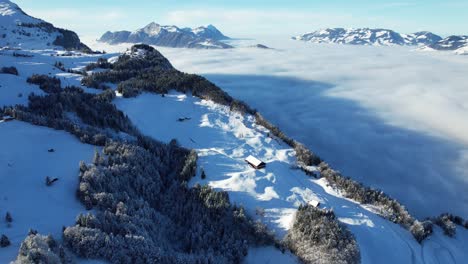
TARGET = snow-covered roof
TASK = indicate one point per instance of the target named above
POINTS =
(314, 203)
(254, 161)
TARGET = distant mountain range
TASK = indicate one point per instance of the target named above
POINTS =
(208, 37)
(459, 44)
(19, 30)
(386, 37)
(368, 36)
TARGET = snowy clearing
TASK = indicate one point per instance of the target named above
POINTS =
(24, 164)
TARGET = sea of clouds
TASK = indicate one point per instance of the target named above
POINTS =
(391, 117)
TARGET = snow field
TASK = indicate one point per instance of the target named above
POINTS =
(24, 164)
(272, 195)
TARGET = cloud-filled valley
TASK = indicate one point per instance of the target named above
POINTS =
(384, 116)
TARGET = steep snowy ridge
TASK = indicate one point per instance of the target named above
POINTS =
(170, 36)
(19, 30)
(368, 36)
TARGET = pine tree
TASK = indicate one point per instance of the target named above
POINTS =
(8, 217)
(4, 241)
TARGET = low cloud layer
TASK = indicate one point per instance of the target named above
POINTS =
(391, 117)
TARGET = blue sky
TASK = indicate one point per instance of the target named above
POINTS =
(244, 18)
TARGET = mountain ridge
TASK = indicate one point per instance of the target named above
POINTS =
(208, 37)
(369, 36)
(20, 30)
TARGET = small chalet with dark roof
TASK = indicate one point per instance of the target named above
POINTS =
(255, 163)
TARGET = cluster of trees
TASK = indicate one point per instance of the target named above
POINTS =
(154, 73)
(21, 55)
(389, 208)
(46, 83)
(9, 70)
(59, 65)
(448, 223)
(98, 117)
(145, 213)
(101, 63)
(42, 249)
(318, 237)
(4, 241)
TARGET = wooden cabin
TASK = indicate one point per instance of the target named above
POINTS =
(314, 203)
(255, 163)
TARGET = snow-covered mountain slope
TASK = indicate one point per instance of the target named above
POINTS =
(368, 36)
(458, 44)
(223, 139)
(24, 164)
(170, 36)
(208, 32)
(19, 30)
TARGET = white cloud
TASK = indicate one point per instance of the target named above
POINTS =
(391, 117)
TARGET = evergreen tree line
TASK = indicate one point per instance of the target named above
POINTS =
(145, 213)
(101, 63)
(448, 223)
(317, 237)
(42, 249)
(59, 65)
(154, 73)
(100, 118)
(46, 83)
(304, 156)
(390, 208)
(9, 70)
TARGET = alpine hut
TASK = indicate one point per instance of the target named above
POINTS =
(255, 163)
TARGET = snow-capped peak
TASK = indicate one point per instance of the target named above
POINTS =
(209, 32)
(8, 8)
(11, 14)
(19, 30)
(152, 29)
